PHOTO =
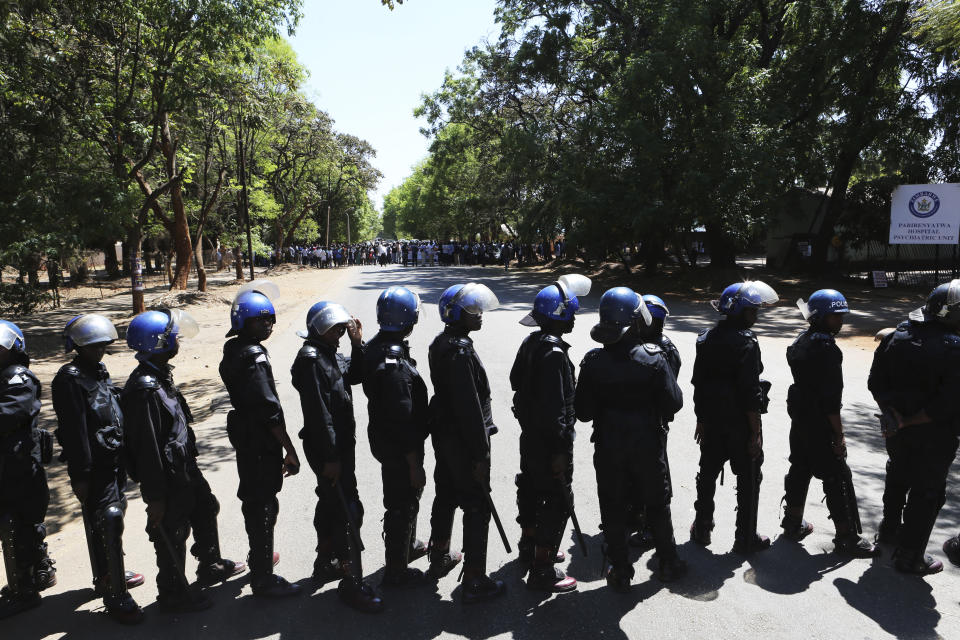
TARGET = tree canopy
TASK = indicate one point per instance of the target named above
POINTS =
(638, 122)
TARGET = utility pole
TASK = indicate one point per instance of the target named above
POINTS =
(246, 205)
(328, 226)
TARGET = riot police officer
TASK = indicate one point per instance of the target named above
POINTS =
(914, 379)
(544, 382)
(643, 537)
(257, 431)
(323, 377)
(461, 426)
(24, 495)
(90, 433)
(817, 446)
(161, 452)
(628, 389)
(397, 408)
(728, 398)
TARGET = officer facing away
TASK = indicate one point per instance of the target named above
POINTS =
(397, 408)
(544, 382)
(627, 389)
(817, 446)
(24, 495)
(461, 427)
(914, 379)
(643, 537)
(323, 377)
(257, 431)
(90, 433)
(161, 451)
(728, 399)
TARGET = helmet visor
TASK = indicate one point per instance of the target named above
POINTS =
(184, 323)
(757, 292)
(91, 329)
(948, 312)
(8, 337)
(643, 311)
(574, 284)
(329, 317)
(804, 309)
(475, 298)
(266, 287)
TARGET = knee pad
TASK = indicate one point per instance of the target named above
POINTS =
(111, 523)
(210, 505)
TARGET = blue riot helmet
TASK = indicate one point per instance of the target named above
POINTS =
(558, 301)
(154, 332)
(11, 337)
(943, 306)
(656, 306)
(398, 309)
(327, 318)
(473, 298)
(620, 307)
(744, 295)
(87, 329)
(252, 301)
(311, 312)
(822, 303)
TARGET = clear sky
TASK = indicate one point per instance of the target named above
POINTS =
(369, 66)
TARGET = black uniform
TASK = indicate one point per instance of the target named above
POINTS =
(544, 384)
(628, 390)
(397, 407)
(24, 495)
(916, 368)
(248, 376)
(816, 363)
(461, 422)
(637, 512)
(323, 377)
(161, 453)
(90, 433)
(727, 385)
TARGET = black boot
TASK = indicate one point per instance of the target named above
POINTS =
(481, 588)
(359, 595)
(747, 546)
(442, 561)
(857, 546)
(952, 548)
(700, 532)
(916, 563)
(274, 586)
(795, 529)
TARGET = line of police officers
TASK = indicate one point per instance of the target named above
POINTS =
(627, 388)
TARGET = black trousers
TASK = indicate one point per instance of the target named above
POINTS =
(457, 487)
(24, 498)
(920, 459)
(191, 507)
(723, 441)
(261, 478)
(401, 502)
(812, 456)
(329, 518)
(105, 489)
(541, 497)
(629, 472)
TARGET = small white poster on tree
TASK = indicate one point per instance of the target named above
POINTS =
(925, 214)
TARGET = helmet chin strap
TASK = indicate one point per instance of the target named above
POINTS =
(164, 338)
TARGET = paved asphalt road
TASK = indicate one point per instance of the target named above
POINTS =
(790, 591)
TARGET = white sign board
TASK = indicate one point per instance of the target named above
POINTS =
(925, 214)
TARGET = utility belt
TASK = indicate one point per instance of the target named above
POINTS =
(244, 434)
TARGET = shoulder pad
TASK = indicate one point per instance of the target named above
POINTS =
(394, 351)
(145, 381)
(747, 333)
(904, 326)
(665, 341)
(253, 352)
(822, 336)
(15, 374)
(651, 348)
(69, 369)
(591, 355)
(308, 351)
(552, 339)
(702, 335)
(462, 343)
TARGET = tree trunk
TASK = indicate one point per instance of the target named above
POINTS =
(135, 260)
(110, 263)
(201, 270)
(168, 267)
(722, 251)
(238, 263)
